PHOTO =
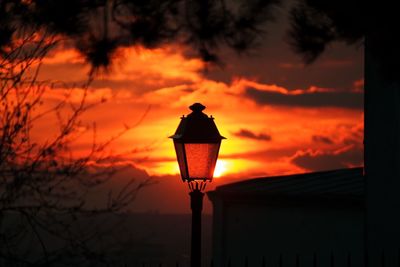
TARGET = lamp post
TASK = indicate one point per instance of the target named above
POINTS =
(197, 141)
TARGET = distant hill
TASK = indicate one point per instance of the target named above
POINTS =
(131, 239)
(164, 238)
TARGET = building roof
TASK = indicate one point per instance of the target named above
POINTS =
(343, 183)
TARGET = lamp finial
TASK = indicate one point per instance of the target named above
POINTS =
(197, 107)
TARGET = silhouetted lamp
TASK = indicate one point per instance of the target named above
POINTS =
(197, 141)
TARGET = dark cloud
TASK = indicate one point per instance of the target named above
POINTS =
(356, 136)
(322, 139)
(314, 161)
(161, 194)
(125, 178)
(352, 100)
(251, 135)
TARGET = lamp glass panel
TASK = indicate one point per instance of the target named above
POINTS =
(180, 155)
(201, 159)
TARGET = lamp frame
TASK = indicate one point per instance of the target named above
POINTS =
(196, 128)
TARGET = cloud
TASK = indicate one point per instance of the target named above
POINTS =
(337, 63)
(350, 156)
(326, 63)
(251, 135)
(322, 139)
(250, 100)
(308, 98)
(139, 70)
(358, 85)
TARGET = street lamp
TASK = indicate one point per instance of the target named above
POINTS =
(197, 143)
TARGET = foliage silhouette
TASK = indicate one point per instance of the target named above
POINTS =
(316, 24)
(98, 28)
(46, 216)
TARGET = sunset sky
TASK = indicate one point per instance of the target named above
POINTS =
(278, 115)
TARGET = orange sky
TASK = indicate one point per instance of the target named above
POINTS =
(279, 117)
(263, 138)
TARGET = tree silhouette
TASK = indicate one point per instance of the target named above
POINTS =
(98, 28)
(317, 24)
(46, 216)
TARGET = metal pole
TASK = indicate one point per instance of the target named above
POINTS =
(196, 203)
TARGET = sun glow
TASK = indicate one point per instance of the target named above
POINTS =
(220, 168)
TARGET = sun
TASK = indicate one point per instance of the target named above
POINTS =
(220, 168)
